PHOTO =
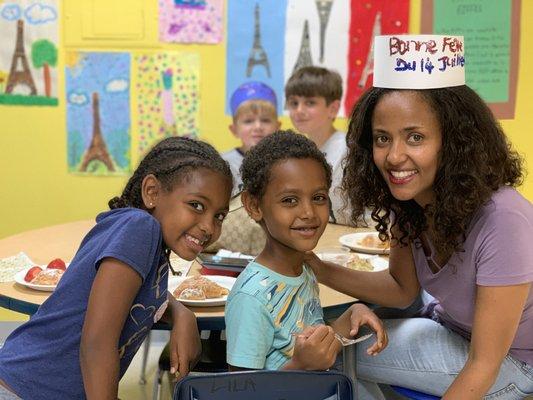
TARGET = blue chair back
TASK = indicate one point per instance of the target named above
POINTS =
(265, 385)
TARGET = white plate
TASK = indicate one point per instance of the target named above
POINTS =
(19, 278)
(379, 263)
(225, 281)
(353, 241)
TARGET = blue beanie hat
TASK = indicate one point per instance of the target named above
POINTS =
(252, 91)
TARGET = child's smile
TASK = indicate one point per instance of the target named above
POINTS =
(191, 215)
(295, 206)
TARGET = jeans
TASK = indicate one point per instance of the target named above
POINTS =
(426, 356)
(7, 395)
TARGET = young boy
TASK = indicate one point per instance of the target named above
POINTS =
(254, 109)
(313, 97)
(273, 315)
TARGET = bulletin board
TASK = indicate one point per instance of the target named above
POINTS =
(491, 30)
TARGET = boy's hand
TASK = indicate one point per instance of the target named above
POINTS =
(185, 344)
(315, 348)
(362, 315)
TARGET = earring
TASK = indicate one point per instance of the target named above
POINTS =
(151, 204)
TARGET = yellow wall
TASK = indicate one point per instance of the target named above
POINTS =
(36, 189)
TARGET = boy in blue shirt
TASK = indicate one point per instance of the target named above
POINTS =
(273, 315)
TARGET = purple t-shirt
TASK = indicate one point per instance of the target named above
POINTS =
(498, 251)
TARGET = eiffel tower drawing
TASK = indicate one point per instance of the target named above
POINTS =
(258, 55)
(20, 73)
(304, 57)
(97, 149)
(369, 65)
(324, 8)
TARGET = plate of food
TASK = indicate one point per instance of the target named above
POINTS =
(360, 262)
(201, 291)
(365, 242)
(42, 277)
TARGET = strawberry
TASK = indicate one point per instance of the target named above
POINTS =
(32, 273)
(57, 263)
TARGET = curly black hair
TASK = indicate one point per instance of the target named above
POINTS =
(281, 145)
(170, 161)
(476, 160)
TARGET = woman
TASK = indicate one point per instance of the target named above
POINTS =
(437, 171)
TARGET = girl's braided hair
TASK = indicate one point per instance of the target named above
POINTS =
(170, 161)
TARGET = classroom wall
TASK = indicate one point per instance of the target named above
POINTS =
(36, 188)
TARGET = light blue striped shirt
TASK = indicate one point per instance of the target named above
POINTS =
(263, 309)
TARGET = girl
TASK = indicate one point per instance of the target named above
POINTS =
(436, 169)
(82, 339)
(286, 183)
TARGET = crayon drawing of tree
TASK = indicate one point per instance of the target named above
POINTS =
(44, 55)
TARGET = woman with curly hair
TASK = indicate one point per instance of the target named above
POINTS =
(439, 174)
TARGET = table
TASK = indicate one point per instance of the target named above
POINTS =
(62, 241)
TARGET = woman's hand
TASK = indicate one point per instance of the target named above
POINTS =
(362, 315)
(185, 344)
(318, 266)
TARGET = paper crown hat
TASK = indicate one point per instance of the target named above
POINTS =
(418, 61)
(252, 91)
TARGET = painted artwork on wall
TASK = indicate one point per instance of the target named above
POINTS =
(98, 112)
(191, 21)
(492, 42)
(28, 52)
(167, 90)
(256, 45)
(336, 34)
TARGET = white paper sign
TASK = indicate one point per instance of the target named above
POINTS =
(418, 61)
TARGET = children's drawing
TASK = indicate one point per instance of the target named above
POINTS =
(255, 45)
(305, 59)
(324, 9)
(258, 55)
(191, 21)
(370, 18)
(167, 92)
(28, 52)
(335, 34)
(316, 33)
(98, 113)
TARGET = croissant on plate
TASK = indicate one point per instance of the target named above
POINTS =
(197, 286)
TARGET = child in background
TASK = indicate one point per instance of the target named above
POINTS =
(254, 110)
(273, 315)
(82, 339)
(313, 98)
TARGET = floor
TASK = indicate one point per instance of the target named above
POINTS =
(130, 388)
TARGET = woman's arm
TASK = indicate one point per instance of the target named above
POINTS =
(395, 287)
(114, 288)
(185, 343)
(497, 315)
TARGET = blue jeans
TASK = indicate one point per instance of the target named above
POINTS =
(7, 395)
(425, 356)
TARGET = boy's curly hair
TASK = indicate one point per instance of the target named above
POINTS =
(476, 159)
(170, 161)
(281, 145)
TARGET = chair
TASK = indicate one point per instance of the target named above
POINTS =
(265, 385)
(212, 360)
(413, 394)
